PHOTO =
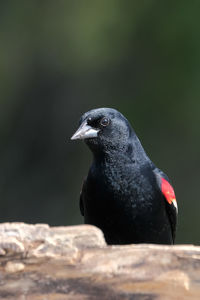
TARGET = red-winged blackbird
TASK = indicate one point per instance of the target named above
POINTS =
(124, 194)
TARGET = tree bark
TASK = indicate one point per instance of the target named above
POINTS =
(42, 262)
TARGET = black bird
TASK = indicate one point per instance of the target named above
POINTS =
(124, 194)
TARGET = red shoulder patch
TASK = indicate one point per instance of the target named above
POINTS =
(168, 192)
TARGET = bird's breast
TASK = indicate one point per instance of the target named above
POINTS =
(121, 185)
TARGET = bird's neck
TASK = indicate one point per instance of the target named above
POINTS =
(131, 152)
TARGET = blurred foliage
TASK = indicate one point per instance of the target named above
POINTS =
(59, 59)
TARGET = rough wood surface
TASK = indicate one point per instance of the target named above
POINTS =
(39, 262)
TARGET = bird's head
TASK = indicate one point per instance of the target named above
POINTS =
(104, 129)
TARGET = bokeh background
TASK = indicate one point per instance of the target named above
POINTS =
(59, 59)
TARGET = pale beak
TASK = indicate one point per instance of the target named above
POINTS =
(85, 131)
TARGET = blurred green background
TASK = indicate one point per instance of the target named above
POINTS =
(59, 59)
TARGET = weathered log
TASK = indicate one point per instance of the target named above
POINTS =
(42, 262)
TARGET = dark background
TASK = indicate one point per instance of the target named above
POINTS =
(59, 59)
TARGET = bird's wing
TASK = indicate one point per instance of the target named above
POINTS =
(170, 199)
(81, 206)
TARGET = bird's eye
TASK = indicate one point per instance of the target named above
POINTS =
(105, 122)
(89, 120)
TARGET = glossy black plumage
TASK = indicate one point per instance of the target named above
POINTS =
(122, 193)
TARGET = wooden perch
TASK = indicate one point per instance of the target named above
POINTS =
(42, 262)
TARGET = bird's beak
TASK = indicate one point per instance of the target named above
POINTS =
(85, 131)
